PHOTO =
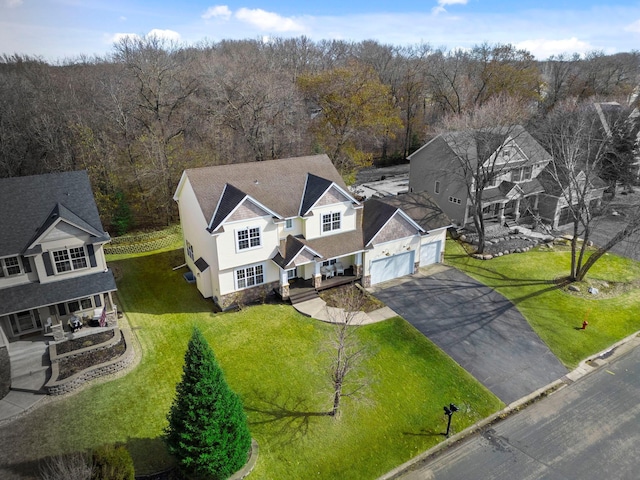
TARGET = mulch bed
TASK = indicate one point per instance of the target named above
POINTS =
(84, 342)
(333, 296)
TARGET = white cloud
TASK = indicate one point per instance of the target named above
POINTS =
(13, 3)
(219, 11)
(633, 27)
(268, 21)
(542, 48)
(443, 3)
(165, 34)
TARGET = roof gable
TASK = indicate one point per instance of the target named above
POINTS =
(379, 214)
(28, 203)
(421, 208)
(396, 227)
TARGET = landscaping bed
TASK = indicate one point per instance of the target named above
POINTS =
(83, 342)
(69, 366)
(333, 296)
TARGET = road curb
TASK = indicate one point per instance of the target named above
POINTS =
(585, 367)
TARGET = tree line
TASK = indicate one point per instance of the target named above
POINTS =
(135, 119)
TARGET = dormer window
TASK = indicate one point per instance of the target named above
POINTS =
(288, 224)
(248, 238)
(70, 259)
(10, 266)
(331, 222)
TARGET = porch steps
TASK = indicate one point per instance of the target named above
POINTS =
(510, 223)
(303, 295)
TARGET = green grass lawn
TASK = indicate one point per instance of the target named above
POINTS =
(556, 315)
(277, 360)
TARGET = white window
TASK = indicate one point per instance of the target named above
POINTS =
(329, 262)
(10, 266)
(455, 200)
(437, 187)
(70, 259)
(293, 273)
(189, 250)
(288, 224)
(249, 276)
(330, 222)
(526, 173)
(82, 304)
(248, 238)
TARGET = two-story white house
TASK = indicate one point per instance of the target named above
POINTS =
(52, 264)
(256, 227)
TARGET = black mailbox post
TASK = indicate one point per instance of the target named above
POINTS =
(449, 411)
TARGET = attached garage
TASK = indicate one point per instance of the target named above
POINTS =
(392, 267)
(430, 253)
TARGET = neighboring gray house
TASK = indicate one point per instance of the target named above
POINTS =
(52, 263)
(516, 159)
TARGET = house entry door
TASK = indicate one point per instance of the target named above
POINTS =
(25, 322)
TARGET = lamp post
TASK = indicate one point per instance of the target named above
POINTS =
(449, 411)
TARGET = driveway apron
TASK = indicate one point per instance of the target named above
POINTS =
(477, 327)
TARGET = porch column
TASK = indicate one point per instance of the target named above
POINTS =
(317, 276)
(517, 207)
(501, 214)
(358, 271)
(284, 284)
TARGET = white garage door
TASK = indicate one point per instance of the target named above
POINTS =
(391, 267)
(429, 253)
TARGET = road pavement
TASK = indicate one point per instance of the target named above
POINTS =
(589, 430)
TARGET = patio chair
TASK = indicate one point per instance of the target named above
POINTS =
(339, 268)
(328, 273)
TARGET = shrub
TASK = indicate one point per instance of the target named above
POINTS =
(112, 462)
(73, 466)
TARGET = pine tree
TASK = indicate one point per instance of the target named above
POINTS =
(207, 431)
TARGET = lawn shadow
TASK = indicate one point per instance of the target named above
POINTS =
(424, 432)
(150, 455)
(22, 470)
(284, 415)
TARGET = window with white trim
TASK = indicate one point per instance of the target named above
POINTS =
(437, 187)
(293, 273)
(70, 259)
(288, 224)
(10, 266)
(248, 238)
(331, 222)
(455, 200)
(189, 250)
(249, 276)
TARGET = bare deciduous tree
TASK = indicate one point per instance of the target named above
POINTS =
(346, 346)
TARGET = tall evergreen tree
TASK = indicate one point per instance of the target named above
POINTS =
(207, 431)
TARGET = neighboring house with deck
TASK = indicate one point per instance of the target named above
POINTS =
(254, 228)
(52, 264)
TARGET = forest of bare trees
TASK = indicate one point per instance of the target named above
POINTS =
(137, 118)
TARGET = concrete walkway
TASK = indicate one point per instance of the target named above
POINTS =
(30, 371)
(318, 309)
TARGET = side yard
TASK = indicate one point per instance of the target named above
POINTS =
(277, 360)
(556, 313)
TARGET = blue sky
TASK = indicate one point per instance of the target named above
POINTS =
(59, 29)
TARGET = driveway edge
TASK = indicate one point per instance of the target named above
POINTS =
(585, 367)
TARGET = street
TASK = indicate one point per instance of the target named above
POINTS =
(587, 430)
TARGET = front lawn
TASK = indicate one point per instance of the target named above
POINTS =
(527, 279)
(276, 359)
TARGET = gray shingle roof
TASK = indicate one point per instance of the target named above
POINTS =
(34, 295)
(277, 184)
(421, 208)
(28, 202)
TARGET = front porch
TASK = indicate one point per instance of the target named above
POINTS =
(301, 289)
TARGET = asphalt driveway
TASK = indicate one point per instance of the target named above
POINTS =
(478, 328)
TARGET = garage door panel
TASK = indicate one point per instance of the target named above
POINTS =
(391, 267)
(430, 253)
